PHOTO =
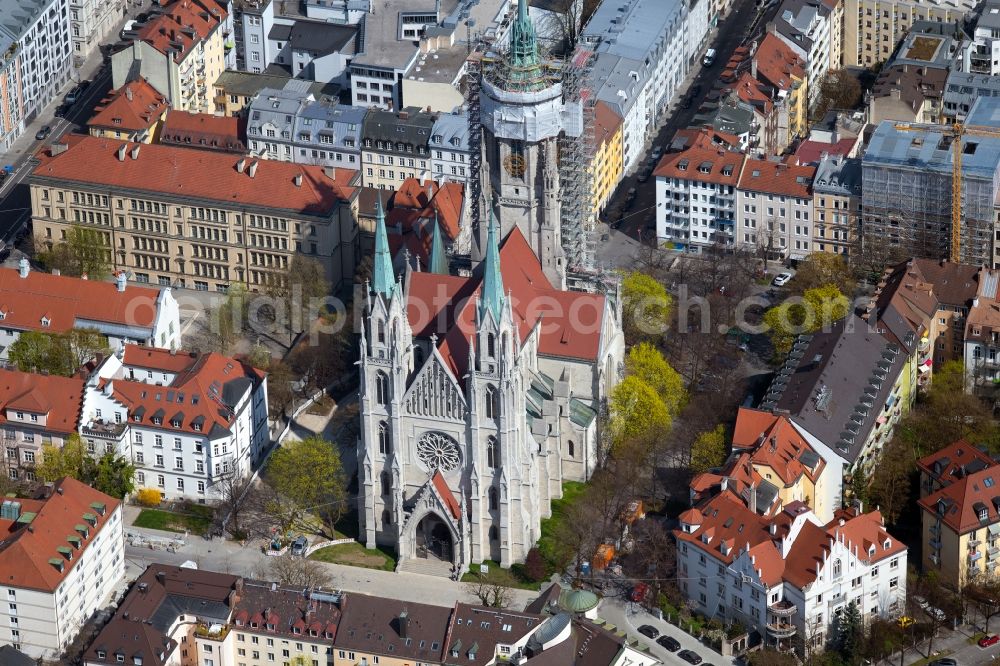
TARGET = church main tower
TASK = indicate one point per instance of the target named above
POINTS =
(523, 115)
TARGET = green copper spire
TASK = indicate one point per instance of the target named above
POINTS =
(523, 61)
(439, 260)
(491, 296)
(383, 280)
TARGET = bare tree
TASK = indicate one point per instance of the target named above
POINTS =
(559, 27)
(299, 572)
(236, 494)
(493, 589)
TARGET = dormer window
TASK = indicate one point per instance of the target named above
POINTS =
(101, 654)
(312, 632)
(19, 415)
(45, 324)
(197, 427)
(886, 544)
(253, 625)
(983, 513)
(175, 424)
(296, 630)
(157, 420)
(270, 627)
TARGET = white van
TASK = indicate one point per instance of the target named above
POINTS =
(128, 26)
(709, 58)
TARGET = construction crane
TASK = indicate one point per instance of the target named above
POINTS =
(955, 131)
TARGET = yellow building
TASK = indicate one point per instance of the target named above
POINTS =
(873, 28)
(960, 514)
(181, 52)
(836, 204)
(194, 218)
(135, 112)
(608, 165)
(777, 64)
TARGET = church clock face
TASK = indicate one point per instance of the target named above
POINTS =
(438, 451)
(515, 165)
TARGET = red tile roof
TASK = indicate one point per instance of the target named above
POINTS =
(775, 443)
(70, 302)
(959, 504)
(199, 399)
(778, 178)
(749, 90)
(134, 107)
(810, 152)
(866, 533)
(446, 306)
(954, 461)
(685, 137)
(59, 399)
(200, 174)
(449, 498)
(702, 161)
(777, 63)
(204, 130)
(25, 552)
(181, 26)
(606, 122)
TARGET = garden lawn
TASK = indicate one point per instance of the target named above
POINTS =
(356, 555)
(196, 521)
(572, 490)
(515, 575)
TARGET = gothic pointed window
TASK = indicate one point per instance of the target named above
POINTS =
(493, 453)
(494, 500)
(418, 356)
(494, 534)
(492, 403)
(386, 483)
(380, 329)
(572, 449)
(384, 439)
(381, 388)
(491, 345)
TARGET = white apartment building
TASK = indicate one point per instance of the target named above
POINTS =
(696, 196)
(774, 209)
(788, 577)
(805, 25)
(252, 22)
(449, 148)
(183, 418)
(34, 41)
(91, 22)
(123, 313)
(985, 55)
(62, 557)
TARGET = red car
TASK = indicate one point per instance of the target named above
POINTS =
(639, 592)
(987, 641)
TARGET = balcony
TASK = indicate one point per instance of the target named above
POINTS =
(215, 632)
(781, 629)
(783, 608)
(103, 429)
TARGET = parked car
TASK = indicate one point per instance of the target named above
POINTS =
(43, 133)
(299, 546)
(657, 152)
(936, 613)
(72, 95)
(649, 631)
(920, 601)
(689, 656)
(781, 279)
(987, 641)
(61, 110)
(639, 593)
(668, 643)
(709, 58)
(645, 174)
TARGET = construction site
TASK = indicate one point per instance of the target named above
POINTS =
(931, 190)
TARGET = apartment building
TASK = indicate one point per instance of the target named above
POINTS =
(449, 149)
(194, 218)
(204, 131)
(985, 54)
(608, 167)
(396, 146)
(908, 94)
(836, 204)
(63, 557)
(806, 27)
(123, 313)
(960, 515)
(235, 90)
(35, 62)
(652, 44)
(774, 208)
(696, 196)
(768, 110)
(982, 337)
(135, 112)
(777, 65)
(845, 389)
(293, 125)
(92, 22)
(873, 28)
(252, 21)
(789, 577)
(961, 91)
(180, 50)
(184, 419)
(38, 410)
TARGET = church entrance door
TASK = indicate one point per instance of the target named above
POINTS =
(434, 539)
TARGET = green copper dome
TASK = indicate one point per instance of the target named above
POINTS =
(578, 601)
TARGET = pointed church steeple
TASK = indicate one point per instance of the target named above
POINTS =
(383, 279)
(523, 42)
(439, 260)
(491, 298)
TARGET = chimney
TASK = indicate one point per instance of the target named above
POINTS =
(331, 172)
(252, 169)
(404, 115)
(128, 93)
(121, 279)
(23, 267)
(298, 180)
(58, 148)
(121, 152)
(135, 151)
(241, 165)
(404, 625)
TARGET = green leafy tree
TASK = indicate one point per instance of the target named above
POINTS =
(113, 475)
(646, 306)
(84, 252)
(709, 449)
(35, 351)
(84, 345)
(309, 478)
(71, 459)
(230, 318)
(260, 357)
(817, 309)
(646, 362)
(823, 268)
(637, 411)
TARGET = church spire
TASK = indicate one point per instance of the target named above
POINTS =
(525, 71)
(491, 297)
(383, 280)
(438, 262)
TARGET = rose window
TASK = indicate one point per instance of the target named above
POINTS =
(438, 451)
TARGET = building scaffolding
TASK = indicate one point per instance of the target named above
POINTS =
(576, 164)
